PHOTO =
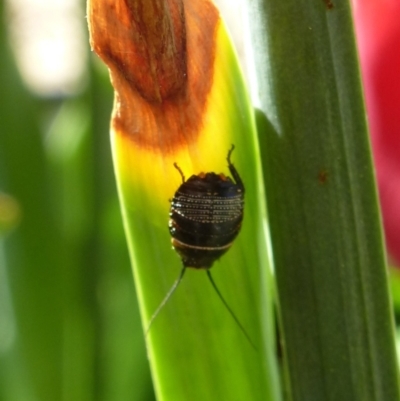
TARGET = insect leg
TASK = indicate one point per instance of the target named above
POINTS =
(230, 310)
(165, 300)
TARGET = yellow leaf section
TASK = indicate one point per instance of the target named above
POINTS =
(148, 179)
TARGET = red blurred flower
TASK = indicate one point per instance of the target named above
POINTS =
(378, 36)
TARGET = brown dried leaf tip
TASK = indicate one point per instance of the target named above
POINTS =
(160, 54)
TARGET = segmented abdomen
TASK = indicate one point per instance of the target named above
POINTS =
(204, 227)
(208, 208)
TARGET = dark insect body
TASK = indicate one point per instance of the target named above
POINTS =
(205, 218)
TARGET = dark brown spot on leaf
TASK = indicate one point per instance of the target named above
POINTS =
(322, 176)
(328, 4)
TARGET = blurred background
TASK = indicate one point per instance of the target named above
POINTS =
(69, 322)
(378, 40)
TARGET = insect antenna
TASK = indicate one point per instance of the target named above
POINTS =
(230, 310)
(180, 172)
(165, 300)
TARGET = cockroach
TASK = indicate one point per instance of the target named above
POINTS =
(205, 218)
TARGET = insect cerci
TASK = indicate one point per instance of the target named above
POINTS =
(205, 218)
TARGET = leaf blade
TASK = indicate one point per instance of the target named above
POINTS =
(325, 223)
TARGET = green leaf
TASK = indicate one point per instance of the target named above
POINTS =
(324, 218)
(196, 349)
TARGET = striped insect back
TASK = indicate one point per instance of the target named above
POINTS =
(205, 218)
(209, 208)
